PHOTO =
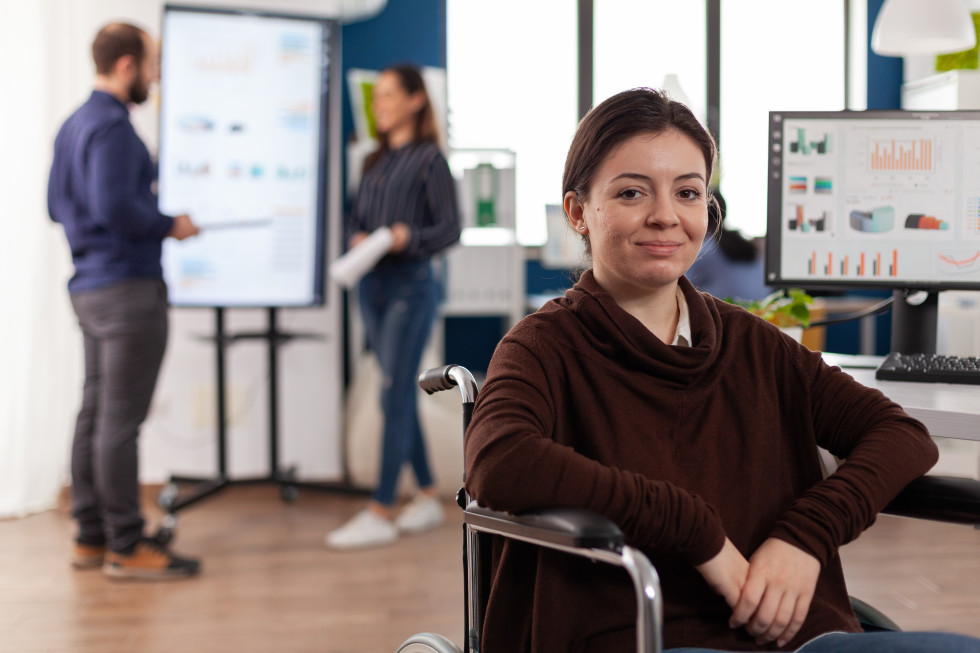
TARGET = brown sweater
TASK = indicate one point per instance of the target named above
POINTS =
(679, 446)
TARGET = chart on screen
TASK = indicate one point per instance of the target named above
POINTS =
(243, 152)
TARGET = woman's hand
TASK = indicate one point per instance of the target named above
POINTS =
(777, 592)
(726, 573)
(402, 235)
(356, 239)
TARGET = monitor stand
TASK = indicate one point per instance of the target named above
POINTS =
(171, 499)
(915, 315)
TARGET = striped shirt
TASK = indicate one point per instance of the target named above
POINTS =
(412, 185)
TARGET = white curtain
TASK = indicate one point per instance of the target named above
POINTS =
(40, 347)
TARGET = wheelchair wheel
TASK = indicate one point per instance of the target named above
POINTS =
(870, 618)
(428, 643)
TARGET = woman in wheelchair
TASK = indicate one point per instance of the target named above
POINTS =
(687, 421)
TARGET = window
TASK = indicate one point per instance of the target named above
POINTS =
(512, 84)
(798, 65)
(641, 43)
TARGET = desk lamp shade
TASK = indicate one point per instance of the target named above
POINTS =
(905, 27)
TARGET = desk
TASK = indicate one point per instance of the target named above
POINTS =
(948, 410)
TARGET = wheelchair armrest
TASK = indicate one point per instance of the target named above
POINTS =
(567, 527)
(582, 533)
(939, 498)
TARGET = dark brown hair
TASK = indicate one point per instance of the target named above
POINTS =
(616, 120)
(425, 128)
(114, 41)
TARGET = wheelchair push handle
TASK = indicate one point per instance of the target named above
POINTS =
(437, 379)
(447, 377)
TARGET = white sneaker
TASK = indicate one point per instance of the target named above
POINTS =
(422, 513)
(362, 530)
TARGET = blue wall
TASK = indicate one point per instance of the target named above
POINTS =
(884, 73)
(406, 31)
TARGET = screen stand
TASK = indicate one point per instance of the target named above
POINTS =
(171, 499)
(915, 316)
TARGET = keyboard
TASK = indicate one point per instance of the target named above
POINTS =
(929, 368)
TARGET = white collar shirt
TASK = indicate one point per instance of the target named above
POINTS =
(682, 337)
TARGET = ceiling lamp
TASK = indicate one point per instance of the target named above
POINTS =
(905, 27)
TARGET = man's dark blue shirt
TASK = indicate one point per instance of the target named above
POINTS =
(100, 190)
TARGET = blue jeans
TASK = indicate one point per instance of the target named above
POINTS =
(398, 305)
(878, 642)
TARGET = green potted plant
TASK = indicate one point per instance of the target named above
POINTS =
(787, 309)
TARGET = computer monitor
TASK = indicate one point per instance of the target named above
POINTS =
(876, 200)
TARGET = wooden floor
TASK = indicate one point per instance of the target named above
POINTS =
(269, 584)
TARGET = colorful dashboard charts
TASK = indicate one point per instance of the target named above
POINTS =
(860, 264)
(910, 155)
(804, 224)
(802, 146)
(920, 221)
(876, 220)
(882, 219)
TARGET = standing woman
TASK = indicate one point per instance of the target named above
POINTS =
(408, 188)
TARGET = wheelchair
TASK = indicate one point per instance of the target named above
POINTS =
(585, 534)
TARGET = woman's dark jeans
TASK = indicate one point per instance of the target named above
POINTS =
(399, 304)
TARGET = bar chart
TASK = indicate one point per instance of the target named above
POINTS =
(805, 146)
(894, 155)
(879, 264)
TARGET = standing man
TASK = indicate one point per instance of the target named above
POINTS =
(100, 191)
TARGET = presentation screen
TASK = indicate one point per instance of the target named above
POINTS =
(885, 199)
(243, 151)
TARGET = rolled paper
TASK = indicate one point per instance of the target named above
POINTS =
(348, 269)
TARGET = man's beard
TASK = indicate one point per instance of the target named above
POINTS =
(139, 91)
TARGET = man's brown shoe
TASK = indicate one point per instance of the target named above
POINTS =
(87, 556)
(149, 560)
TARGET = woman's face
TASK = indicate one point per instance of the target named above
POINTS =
(646, 214)
(393, 107)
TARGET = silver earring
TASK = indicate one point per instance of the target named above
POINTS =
(581, 228)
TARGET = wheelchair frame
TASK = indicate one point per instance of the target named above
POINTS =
(577, 532)
(586, 534)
